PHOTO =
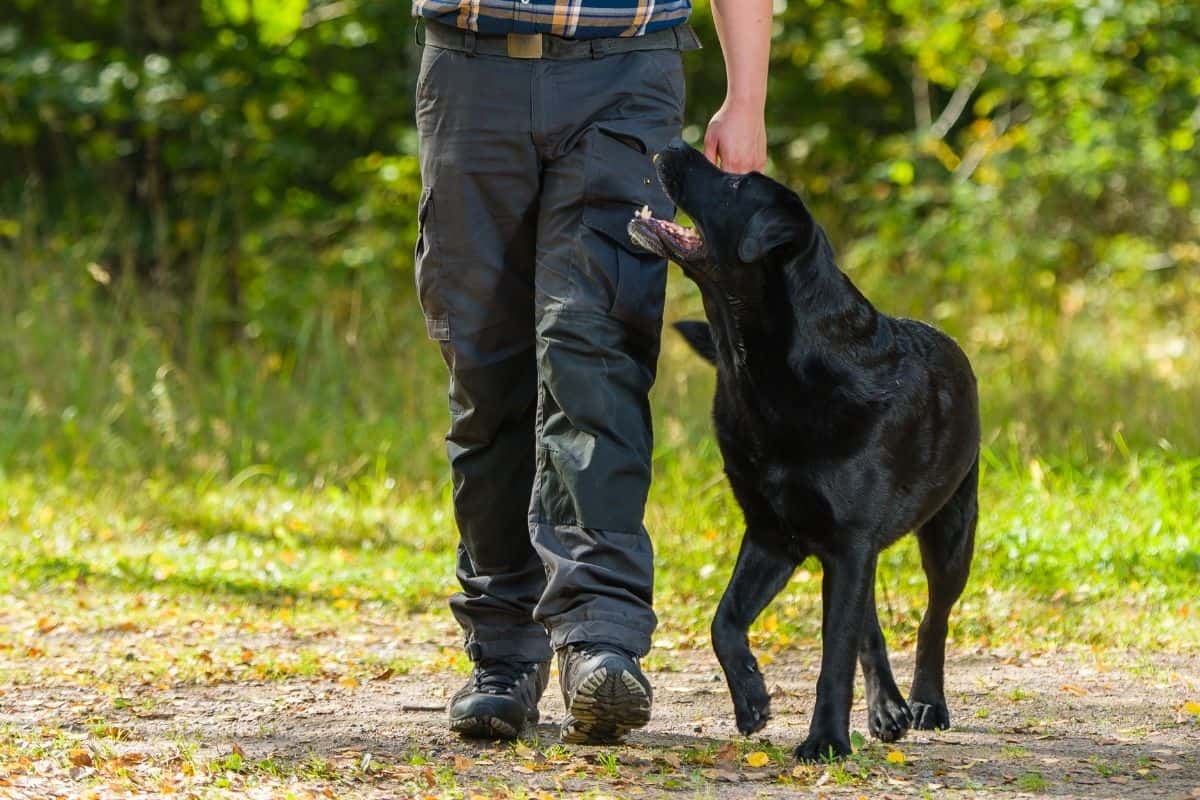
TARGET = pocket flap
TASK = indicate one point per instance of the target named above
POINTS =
(612, 221)
(621, 178)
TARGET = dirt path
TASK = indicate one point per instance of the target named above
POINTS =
(1069, 725)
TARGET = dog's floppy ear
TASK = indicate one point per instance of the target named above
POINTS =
(699, 336)
(765, 231)
(775, 225)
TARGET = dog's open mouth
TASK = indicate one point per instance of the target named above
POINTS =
(664, 237)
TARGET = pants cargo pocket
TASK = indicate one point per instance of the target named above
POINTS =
(640, 278)
(620, 180)
(425, 267)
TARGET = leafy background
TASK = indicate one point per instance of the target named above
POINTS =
(220, 192)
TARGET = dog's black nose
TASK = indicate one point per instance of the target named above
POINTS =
(676, 145)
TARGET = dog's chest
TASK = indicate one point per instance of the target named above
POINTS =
(785, 486)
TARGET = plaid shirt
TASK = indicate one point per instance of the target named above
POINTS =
(579, 19)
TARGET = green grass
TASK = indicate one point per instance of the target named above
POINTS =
(1032, 782)
(301, 481)
(1105, 556)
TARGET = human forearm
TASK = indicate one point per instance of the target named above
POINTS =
(736, 137)
(744, 29)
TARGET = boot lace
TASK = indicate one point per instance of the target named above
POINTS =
(500, 677)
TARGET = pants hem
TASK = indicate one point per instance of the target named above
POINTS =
(635, 640)
(510, 648)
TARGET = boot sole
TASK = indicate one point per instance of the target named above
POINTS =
(606, 706)
(484, 727)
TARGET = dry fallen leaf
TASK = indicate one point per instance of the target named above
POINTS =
(80, 757)
(895, 757)
(112, 732)
(349, 681)
(726, 775)
(128, 759)
(757, 759)
(462, 763)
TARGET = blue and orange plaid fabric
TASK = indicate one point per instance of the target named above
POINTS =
(578, 19)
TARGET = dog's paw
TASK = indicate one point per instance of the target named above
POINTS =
(823, 747)
(752, 707)
(889, 718)
(930, 716)
(752, 717)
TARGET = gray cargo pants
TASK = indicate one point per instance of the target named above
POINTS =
(549, 323)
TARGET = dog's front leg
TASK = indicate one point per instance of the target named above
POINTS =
(845, 589)
(759, 575)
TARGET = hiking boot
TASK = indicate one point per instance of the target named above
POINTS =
(605, 693)
(500, 699)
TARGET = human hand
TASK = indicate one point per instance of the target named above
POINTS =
(736, 139)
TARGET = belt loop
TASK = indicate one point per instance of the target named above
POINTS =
(469, 42)
(593, 51)
(418, 26)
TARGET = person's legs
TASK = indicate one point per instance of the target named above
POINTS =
(599, 308)
(475, 276)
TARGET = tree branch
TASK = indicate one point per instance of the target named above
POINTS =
(921, 108)
(324, 13)
(958, 100)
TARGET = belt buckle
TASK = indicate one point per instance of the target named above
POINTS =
(524, 45)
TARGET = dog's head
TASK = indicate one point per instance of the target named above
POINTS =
(744, 223)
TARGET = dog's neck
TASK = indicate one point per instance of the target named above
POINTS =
(807, 301)
(822, 300)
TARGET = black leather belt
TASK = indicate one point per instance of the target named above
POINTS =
(546, 45)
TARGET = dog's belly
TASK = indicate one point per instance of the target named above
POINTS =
(816, 507)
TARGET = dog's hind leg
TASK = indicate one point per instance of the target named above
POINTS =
(947, 544)
(888, 716)
(759, 575)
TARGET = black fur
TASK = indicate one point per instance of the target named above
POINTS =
(699, 336)
(842, 429)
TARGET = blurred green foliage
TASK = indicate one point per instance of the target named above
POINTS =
(207, 215)
(227, 146)
(1035, 140)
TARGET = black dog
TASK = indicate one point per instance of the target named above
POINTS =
(841, 428)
